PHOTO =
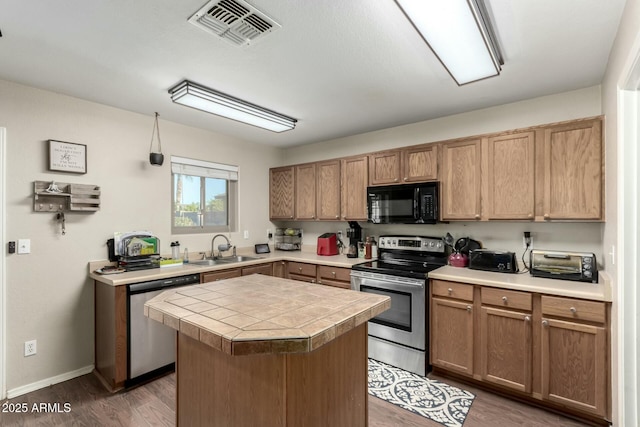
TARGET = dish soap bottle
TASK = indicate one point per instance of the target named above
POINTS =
(185, 259)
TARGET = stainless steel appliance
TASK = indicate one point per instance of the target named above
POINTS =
(151, 345)
(399, 335)
(403, 204)
(488, 260)
(579, 266)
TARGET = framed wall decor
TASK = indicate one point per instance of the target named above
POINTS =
(67, 157)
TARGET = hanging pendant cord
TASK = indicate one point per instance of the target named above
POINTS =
(156, 130)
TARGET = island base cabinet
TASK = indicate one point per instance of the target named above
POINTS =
(574, 368)
(326, 387)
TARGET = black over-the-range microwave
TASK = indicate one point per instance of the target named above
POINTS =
(403, 204)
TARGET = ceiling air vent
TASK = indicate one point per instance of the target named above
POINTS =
(236, 21)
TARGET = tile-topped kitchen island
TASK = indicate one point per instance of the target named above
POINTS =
(259, 350)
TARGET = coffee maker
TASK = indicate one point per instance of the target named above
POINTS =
(354, 233)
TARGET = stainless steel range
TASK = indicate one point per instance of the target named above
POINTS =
(399, 335)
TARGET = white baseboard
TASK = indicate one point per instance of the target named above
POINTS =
(19, 391)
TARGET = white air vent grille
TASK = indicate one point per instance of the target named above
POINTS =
(235, 21)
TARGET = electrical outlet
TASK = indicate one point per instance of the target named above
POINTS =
(246, 234)
(30, 348)
(339, 234)
(527, 240)
(269, 234)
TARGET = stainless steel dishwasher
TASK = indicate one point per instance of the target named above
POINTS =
(151, 345)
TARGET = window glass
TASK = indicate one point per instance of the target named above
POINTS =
(202, 203)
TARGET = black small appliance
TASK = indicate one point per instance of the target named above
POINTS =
(403, 204)
(354, 233)
(488, 260)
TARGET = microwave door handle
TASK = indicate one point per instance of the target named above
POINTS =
(416, 208)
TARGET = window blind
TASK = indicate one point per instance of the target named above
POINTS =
(185, 166)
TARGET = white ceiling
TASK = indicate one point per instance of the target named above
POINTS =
(341, 67)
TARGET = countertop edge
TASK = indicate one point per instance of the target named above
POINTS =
(600, 291)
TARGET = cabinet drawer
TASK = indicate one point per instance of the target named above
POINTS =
(265, 269)
(452, 290)
(300, 278)
(335, 283)
(505, 298)
(212, 276)
(302, 269)
(334, 273)
(575, 309)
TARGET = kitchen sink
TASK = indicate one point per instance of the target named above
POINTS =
(225, 260)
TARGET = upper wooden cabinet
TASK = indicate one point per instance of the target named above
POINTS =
(355, 173)
(461, 180)
(281, 193)
(420, 163)
(411, 164)
(328, 190)
(573, 171)
(305, 200)
(509, 184)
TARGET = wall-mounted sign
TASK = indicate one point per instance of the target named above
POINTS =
(67, 157)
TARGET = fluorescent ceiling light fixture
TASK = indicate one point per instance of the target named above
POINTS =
(460, 35)
(214, 102)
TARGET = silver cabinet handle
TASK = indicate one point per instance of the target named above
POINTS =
(573, 310)
(527, 319)
(504, 300)
(469, 308)
(545, 323)
(450, 291)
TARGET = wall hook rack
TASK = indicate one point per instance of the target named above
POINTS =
(52, 196)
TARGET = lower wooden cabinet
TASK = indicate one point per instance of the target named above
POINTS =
(264, 269)
(553, 350)
(452, 335)
(212, 276)
(334, 276)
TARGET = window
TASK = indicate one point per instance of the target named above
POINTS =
(204, 196)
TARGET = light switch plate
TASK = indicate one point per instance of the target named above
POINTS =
(24, 246)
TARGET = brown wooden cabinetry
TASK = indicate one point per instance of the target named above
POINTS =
(461, 180)
(547, 349)
(452, 326)
(281, 193)
(212, 276)
(420, 163)
(328, 190)
(412, 164)
(301, 271)
(506, 348)
(111, 334)
(305, 199)
(264, 269)
(574, 354)
(573, 171)
(280, 269)
(334, 276)
(355, 175)
(509, 183)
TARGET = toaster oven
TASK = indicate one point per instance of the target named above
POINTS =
(579, 266)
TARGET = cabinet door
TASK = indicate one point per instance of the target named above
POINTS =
(305, 199)
(452, 335)
(574, 365)
(420, 163)
(281, 193)
(280, 269)
(573, 171)
(510, 176)
(384, 168)
(355, 175)
(460, 199)
(328, 186)
(506, 349)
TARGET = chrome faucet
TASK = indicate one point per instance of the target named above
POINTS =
(221, 247)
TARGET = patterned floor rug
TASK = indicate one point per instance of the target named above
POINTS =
(432, 399)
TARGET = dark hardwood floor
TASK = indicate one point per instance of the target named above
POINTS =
(152, 404)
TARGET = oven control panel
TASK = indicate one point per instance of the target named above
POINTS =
(416, 243)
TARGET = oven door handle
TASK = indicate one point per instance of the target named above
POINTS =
(414, 284)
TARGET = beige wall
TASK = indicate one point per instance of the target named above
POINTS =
(48, 295)
(625, 309)
(501, 235)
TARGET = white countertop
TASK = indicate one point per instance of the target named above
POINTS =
(600, 291)
(185, 269)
